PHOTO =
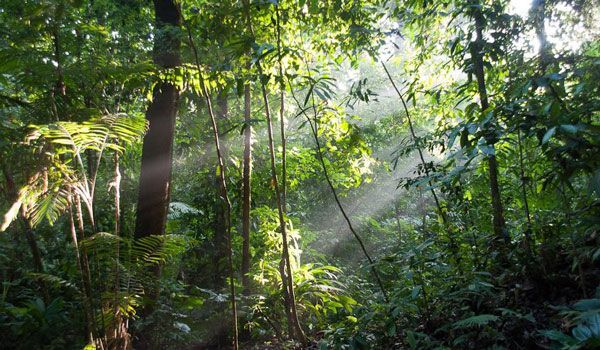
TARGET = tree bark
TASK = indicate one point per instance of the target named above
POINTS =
(38, 265)
(538, 10)
(220, 223)
(246, 189)
(157, 150)
(477, 56)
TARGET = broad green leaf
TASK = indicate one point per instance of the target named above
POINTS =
(548, 135)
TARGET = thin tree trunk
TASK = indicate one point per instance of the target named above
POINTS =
(299, 333)
(538, 10)
(87, 305)
(524, 192)
(438, 205)
(38, 264)
(292, 313)
(85, 262)
(477, 55)
(220, 224)
(282, 263)
(35, 253)
(224, 195)
(281, 113)
(219, 239)
(121, 339)
(246, 189)
(84, 268)
(315, 131)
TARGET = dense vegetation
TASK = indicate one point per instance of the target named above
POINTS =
(266, 174)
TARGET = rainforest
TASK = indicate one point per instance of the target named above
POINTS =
(299, 174)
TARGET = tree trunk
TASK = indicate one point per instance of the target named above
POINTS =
(38, 264)
(246, 190)
(224, 195)
(220, 223)
(288, 290)
(538, 10)
(477, 56)
(157, 149)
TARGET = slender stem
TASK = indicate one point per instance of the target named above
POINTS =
(224, 193)
(438, 205)
(283, 153)
(281, 112)
(85, 281)
(246, 188)
(117, 233)
(293, 316)
(524, 188)
(315, 132)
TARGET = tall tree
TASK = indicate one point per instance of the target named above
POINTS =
(220, 223)
(157, 151)
(287, 279)
(246, 187)
(477, 51)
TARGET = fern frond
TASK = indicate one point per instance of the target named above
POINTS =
(53, 280)
(478, 320)
(157, 249)
(97, 134)
(49, 206)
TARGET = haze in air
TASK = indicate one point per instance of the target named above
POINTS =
(335, 174)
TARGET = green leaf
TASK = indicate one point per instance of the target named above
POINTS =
(391, 329)
(557, 336)
(478, 320)
(548, 135)
(582, 333)
(571, 129)
(488, 150)
(411, 340)
(587, 304)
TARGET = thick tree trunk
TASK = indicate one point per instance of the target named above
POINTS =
(155, 176)
(477, 56)
(157, 150)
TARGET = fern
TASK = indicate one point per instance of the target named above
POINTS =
(474, 321)
(106, 132)
(52, 280)
(68, 141)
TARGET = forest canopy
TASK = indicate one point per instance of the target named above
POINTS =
(274, 174)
